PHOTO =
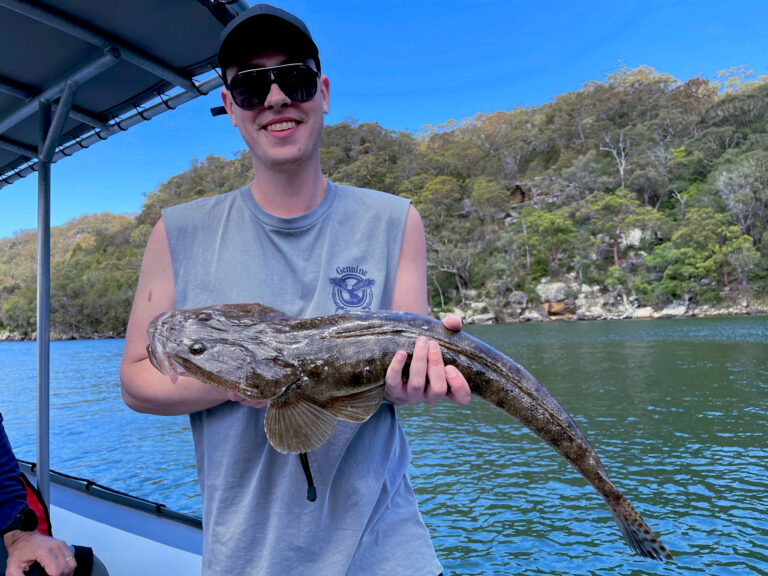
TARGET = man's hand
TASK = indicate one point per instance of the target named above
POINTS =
(26, 548)
(429, 380)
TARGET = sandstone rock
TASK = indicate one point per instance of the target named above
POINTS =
(589, 314)
(518, 298)
(531, 316)
(677, 308)
(645, 312)
(555, 308)
(633, 239)
(554, 292)
(483, 319)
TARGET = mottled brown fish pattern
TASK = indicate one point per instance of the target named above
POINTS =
(316, 371)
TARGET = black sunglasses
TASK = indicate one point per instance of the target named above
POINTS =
(250, 88)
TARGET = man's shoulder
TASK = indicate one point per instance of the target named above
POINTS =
(202, 205)
(368, 196)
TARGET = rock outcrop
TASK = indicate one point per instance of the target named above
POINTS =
(567, 299)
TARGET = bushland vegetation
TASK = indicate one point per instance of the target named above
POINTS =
(641, 183)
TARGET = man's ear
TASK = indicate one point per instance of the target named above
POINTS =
(229, 104)
(325, 88)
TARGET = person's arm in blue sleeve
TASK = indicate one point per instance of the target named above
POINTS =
(13, 497)
(25, 547)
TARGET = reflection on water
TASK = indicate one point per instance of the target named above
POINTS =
(676, 409)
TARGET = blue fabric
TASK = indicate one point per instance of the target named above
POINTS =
(12, 495)
(341, 256)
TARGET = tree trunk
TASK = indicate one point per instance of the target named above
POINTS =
(439, 291)
(458, 283)
(527, 253)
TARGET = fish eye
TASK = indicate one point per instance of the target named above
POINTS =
(205, 316)
(197, 348)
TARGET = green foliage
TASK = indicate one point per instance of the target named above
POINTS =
(615, 278)
(700, 257)
(550, 234)
(212, 176)
(643, 183)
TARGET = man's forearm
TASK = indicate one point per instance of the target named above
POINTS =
(148, 391)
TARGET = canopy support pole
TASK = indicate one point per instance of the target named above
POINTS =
(51, 127)
(43, 307)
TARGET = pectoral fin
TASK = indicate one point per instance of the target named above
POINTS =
(295, 425)
(356, 407)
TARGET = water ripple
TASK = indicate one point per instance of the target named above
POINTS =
(675, 409)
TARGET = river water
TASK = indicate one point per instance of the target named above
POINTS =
(677, 410)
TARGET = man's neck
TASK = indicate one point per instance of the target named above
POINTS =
(290, 192)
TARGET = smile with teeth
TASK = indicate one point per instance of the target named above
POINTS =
(279, 126)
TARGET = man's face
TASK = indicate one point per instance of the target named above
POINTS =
(281, 132)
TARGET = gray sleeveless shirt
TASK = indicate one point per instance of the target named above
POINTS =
(341, 256)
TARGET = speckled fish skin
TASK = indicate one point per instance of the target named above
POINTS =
(315, 371)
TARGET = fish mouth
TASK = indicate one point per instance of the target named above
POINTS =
(159, 358)
(164, 363)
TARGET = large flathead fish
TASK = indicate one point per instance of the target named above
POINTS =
(316, 371)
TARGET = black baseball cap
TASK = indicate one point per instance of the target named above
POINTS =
(264, 27)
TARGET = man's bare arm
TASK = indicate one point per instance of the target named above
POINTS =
(144, 388)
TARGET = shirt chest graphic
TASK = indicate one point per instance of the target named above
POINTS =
(351, 289)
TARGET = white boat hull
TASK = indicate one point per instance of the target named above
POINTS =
(130, 535)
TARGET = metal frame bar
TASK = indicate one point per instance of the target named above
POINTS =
(110, 57)
(115, 126)
(59, 119)
(43, 306)
(26, 94)
(99, 39)
(17, 147)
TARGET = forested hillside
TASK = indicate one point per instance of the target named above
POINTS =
(652, 188)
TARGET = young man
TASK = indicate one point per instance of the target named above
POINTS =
(22, 545)
(308, 247)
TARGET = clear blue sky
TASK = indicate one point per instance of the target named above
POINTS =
(407, 64)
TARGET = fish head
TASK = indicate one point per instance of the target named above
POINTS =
(224, 346)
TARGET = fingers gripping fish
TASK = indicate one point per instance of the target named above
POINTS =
(316, 371)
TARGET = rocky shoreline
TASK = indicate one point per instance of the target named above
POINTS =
(568, 300)
(6, 336)
(557, 301)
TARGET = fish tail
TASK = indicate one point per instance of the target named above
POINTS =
(636, 532)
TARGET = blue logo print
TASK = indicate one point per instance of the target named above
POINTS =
(351, 289)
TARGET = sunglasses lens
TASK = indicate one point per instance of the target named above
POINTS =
(250, 88)
(300, 84)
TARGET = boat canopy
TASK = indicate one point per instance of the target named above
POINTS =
(102, 66)
(75, 72)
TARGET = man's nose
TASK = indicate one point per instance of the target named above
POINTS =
(275, 97)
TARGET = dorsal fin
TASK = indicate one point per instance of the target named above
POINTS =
(263, 312)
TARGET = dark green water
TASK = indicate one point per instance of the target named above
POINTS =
(677, 411)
